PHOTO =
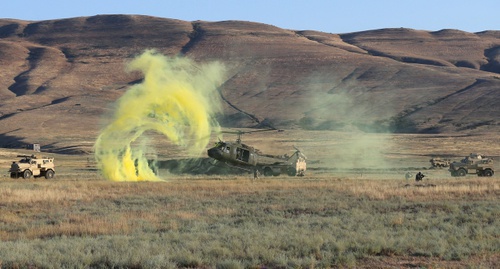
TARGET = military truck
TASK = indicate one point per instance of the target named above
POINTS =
(30, 166)
(475, 163)
(439, 162)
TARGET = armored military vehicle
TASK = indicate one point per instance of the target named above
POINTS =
(475, 163)
(440, 162)
(30, 166)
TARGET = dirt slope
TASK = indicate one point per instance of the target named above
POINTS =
(60, 76)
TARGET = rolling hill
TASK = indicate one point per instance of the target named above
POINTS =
(60, 77)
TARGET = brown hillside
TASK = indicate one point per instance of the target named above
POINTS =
(60, 76)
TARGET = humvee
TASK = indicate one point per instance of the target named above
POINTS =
(440, 162)
(473, 164)
(30, 166)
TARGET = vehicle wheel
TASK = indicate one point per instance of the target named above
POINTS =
(461, 173)
(291, 172)
(488, 173)
(49, 174)
(27, 174)
(268, 171)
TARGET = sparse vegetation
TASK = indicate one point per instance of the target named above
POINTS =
(236, 223)
(336, 216)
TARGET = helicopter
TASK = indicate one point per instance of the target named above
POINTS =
(239, 155)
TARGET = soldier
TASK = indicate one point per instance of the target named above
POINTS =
(256, 173)
(419, 176)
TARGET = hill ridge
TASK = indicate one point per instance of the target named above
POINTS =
(394, 79)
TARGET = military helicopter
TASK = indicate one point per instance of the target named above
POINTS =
(239, 155)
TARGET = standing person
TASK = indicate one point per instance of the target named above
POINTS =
(256, 173)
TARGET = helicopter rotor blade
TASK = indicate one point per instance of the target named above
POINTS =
(239, 132)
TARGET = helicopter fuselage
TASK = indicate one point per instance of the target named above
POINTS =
(245, 157)
(234, 153)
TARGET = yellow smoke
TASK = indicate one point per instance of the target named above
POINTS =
(177, 99)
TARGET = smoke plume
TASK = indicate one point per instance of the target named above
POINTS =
(346, 106)
(176, 99)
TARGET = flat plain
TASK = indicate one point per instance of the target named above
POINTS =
(354, 208)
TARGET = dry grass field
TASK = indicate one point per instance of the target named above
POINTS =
(354, 208)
